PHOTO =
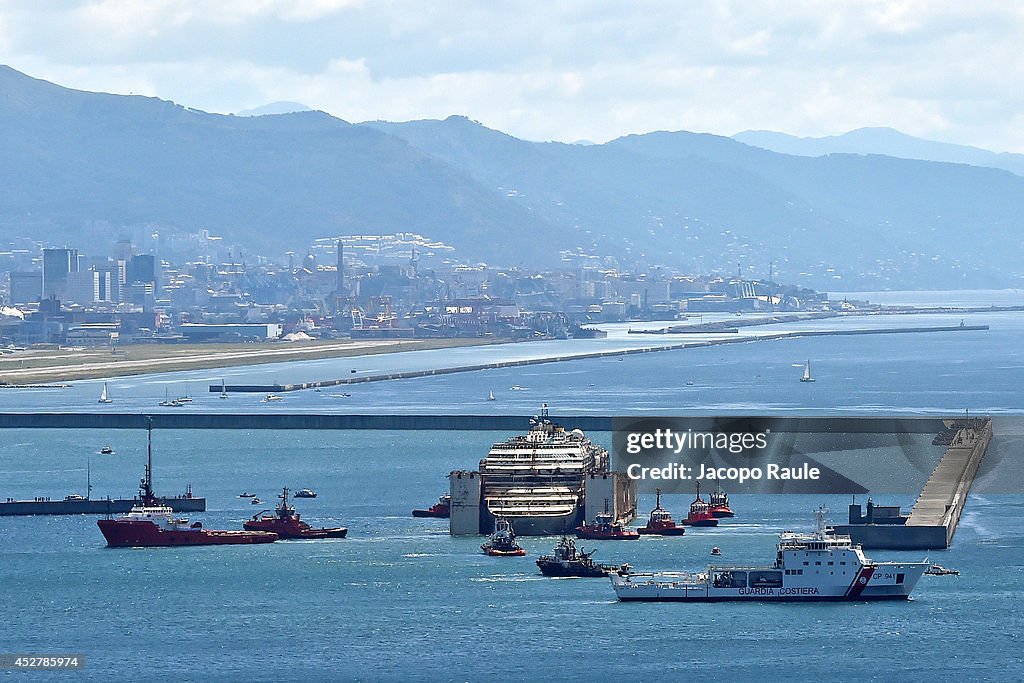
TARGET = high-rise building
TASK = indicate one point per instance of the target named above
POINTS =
(25, 288)
(340, 285)
(142, 268)
(57, 264)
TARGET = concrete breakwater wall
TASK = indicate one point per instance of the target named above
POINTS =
(361, 379)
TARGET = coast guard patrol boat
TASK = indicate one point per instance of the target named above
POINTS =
(808, 567)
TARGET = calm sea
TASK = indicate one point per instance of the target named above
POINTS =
(402, 600)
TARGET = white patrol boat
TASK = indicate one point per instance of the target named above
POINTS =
(808, 567)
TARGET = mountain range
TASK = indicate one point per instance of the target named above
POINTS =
(82, 167)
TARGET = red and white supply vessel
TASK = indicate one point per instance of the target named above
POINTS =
(808, 567)
(152, 524)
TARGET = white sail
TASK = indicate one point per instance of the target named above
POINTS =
(807, 373)
(104, 397)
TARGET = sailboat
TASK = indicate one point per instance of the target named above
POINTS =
(490, 396)
(187, 398)
(104, 397)
(807, 373)
(223, 389)
(168, 401)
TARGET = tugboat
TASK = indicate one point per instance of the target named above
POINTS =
(152, 524)
(700, 513)
(305, 493)
(567, 561)
(661, 522)
(502, 542)
(286, 523)
(606, 529)
(441, 509)
(718, 503)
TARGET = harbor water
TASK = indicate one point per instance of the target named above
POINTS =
(400, 599)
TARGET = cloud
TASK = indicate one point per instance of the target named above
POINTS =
(557, 70)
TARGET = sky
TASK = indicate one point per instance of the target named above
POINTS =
(558, 70)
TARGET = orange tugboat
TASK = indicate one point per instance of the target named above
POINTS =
(719, 503)
(285, 523)
(661, 522)
(502, 542)
(441, 509)
(152, 524)
(700, 512)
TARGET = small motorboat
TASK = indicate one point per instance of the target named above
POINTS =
(502, 542)
(246, 494)
(305, 493)
(716, 551)
(939, 570)
(107, 450)
(255, 501)
(270, 398)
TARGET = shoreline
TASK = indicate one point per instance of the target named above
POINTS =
(145, 359)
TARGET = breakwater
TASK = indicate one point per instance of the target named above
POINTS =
(600, 423)
(277, 388)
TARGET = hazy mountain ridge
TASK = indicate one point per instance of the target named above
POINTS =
(269, 181)
(694, 201)
(885, 141)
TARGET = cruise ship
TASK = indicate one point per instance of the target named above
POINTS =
(541, 482)
(808, 567)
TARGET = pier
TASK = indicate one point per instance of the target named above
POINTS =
(933, 520)
(362, 379)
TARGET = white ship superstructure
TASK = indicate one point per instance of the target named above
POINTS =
(538, 481)
(815, 566)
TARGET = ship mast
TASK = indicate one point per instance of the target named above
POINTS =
(146, 485)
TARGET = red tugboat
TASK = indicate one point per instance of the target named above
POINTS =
(719, 503)
(285, 523)
(604, 528)
(700, 513)
(153, 524)
(441, 509)
(502, 542)
(661, 522)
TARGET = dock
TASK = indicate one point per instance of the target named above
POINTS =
(933, 520)
(93, 506)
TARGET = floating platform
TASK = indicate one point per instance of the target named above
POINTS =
(93, 506)
(932, 522)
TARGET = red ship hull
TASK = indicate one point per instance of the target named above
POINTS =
(596, 535)
(702, 520)
(674, 530)
(504, 553)
(121, 533)
(439, 511)
(719, 512)
(292, 530)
